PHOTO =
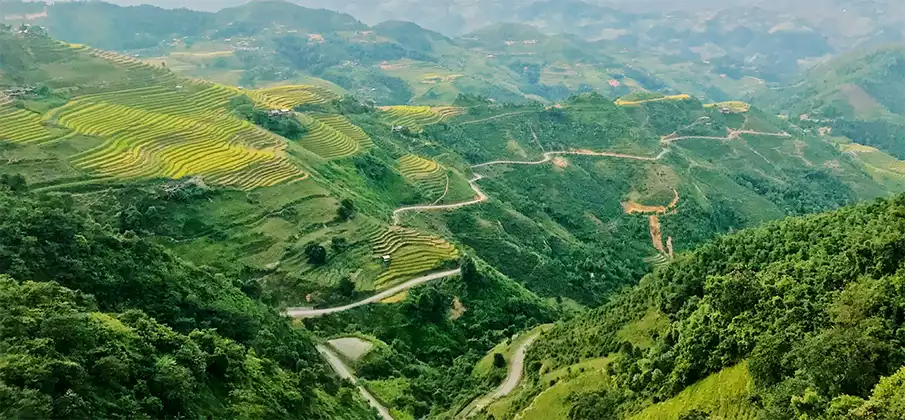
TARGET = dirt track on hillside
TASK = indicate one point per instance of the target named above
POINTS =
(516, 367)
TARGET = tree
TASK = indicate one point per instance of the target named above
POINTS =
(887, 400)
(346, 286)
(339, 244)
(316, 254)
(346, 209)
(469, 269)
(499, 361)
(15, 183)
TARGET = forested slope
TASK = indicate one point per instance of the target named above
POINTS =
(101, 324)
(811, 305)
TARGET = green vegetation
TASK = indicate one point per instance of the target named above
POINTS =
(113, 325)
(284, 196)
(796, 302)
(857, 95)
(726, 394)
(430, 354)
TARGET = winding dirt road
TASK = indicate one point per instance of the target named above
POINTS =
(344, 372)
(481, 197)
(732, 136)
(513, 377)
(548, 156)
(314, 313)
(474, 186)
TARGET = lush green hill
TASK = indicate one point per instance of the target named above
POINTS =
(714, 50)
(857, 96)
(295, 196)
(863, 85)
(806, 309)
(110, 324)
(144, 153)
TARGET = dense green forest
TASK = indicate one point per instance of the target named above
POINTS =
(812, 304)
(102, 324)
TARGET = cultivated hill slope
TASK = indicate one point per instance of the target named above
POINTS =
(183, 164)
(303, 198)
(133, 120)
(746, 326)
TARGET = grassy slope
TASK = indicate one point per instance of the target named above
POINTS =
(725, 394)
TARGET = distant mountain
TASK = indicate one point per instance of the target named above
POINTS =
(392, 62)
(507, 50)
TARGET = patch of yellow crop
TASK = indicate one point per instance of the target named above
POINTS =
(681, 97)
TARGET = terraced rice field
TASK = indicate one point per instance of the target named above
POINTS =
(417, 117)
(428, 176)
(411, 253)
(290, 96)
(138, 73)
(158, 125)
(147, 144)
(658, 260)
(23, 127)
(333, 136)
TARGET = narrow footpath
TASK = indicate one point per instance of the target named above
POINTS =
(732, 136)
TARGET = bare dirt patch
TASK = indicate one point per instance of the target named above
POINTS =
(631, 207)
(561, 162)
(457, 310)
(352, 348)
(515, 148)
(28, 16)
(656, 235)
(394, 66)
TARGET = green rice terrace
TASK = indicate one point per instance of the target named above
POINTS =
(143, 123)
(417, 117)
(333, 136)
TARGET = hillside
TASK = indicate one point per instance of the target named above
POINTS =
(795, 318)
(856, 96)
(434, 233)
